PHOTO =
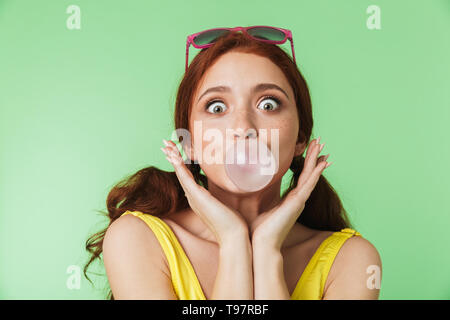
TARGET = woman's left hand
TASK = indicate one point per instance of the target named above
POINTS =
(273, 226)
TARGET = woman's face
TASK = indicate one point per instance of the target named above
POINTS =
(237, 107)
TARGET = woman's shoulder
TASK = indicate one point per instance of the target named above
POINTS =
(357, 249)
(125, 224)
(128, 249)
(356, 259)
(131, 234)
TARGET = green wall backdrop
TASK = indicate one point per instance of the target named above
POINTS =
(80, 109)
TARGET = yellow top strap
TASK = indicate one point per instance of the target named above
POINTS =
(184, 279)
(312, 282)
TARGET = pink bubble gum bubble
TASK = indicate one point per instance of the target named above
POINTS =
(250, 168)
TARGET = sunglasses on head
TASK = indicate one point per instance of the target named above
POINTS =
(273, 35)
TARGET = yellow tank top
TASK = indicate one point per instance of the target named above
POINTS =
(186, 286)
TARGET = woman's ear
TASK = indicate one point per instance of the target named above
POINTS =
(299, 148)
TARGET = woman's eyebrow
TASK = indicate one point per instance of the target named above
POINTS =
(259, 87)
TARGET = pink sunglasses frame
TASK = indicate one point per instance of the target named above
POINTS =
(287, 36)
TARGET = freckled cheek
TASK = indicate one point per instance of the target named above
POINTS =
(210, 144)
(284, 147)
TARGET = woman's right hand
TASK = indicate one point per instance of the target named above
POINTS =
(223, 221)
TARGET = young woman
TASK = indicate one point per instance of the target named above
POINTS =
(188, 235)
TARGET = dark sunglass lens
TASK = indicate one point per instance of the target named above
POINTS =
(266, 33)
(209, 36)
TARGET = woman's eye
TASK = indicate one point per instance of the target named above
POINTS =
(269, 103)
(215, 107)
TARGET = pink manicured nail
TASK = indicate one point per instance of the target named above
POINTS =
(321, 146)
(164, 150)
(328, 164)
(165, 142)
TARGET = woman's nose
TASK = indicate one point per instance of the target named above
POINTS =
(240, 133)
(243, 126)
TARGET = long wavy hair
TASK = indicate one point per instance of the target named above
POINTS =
(159, 193)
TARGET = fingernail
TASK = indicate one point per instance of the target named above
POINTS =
(326, 157)
(318, 140)
(164, 150)
(165, 142)
(321, 146)
(328, 164)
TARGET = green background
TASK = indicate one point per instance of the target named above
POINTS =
(81, 109)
